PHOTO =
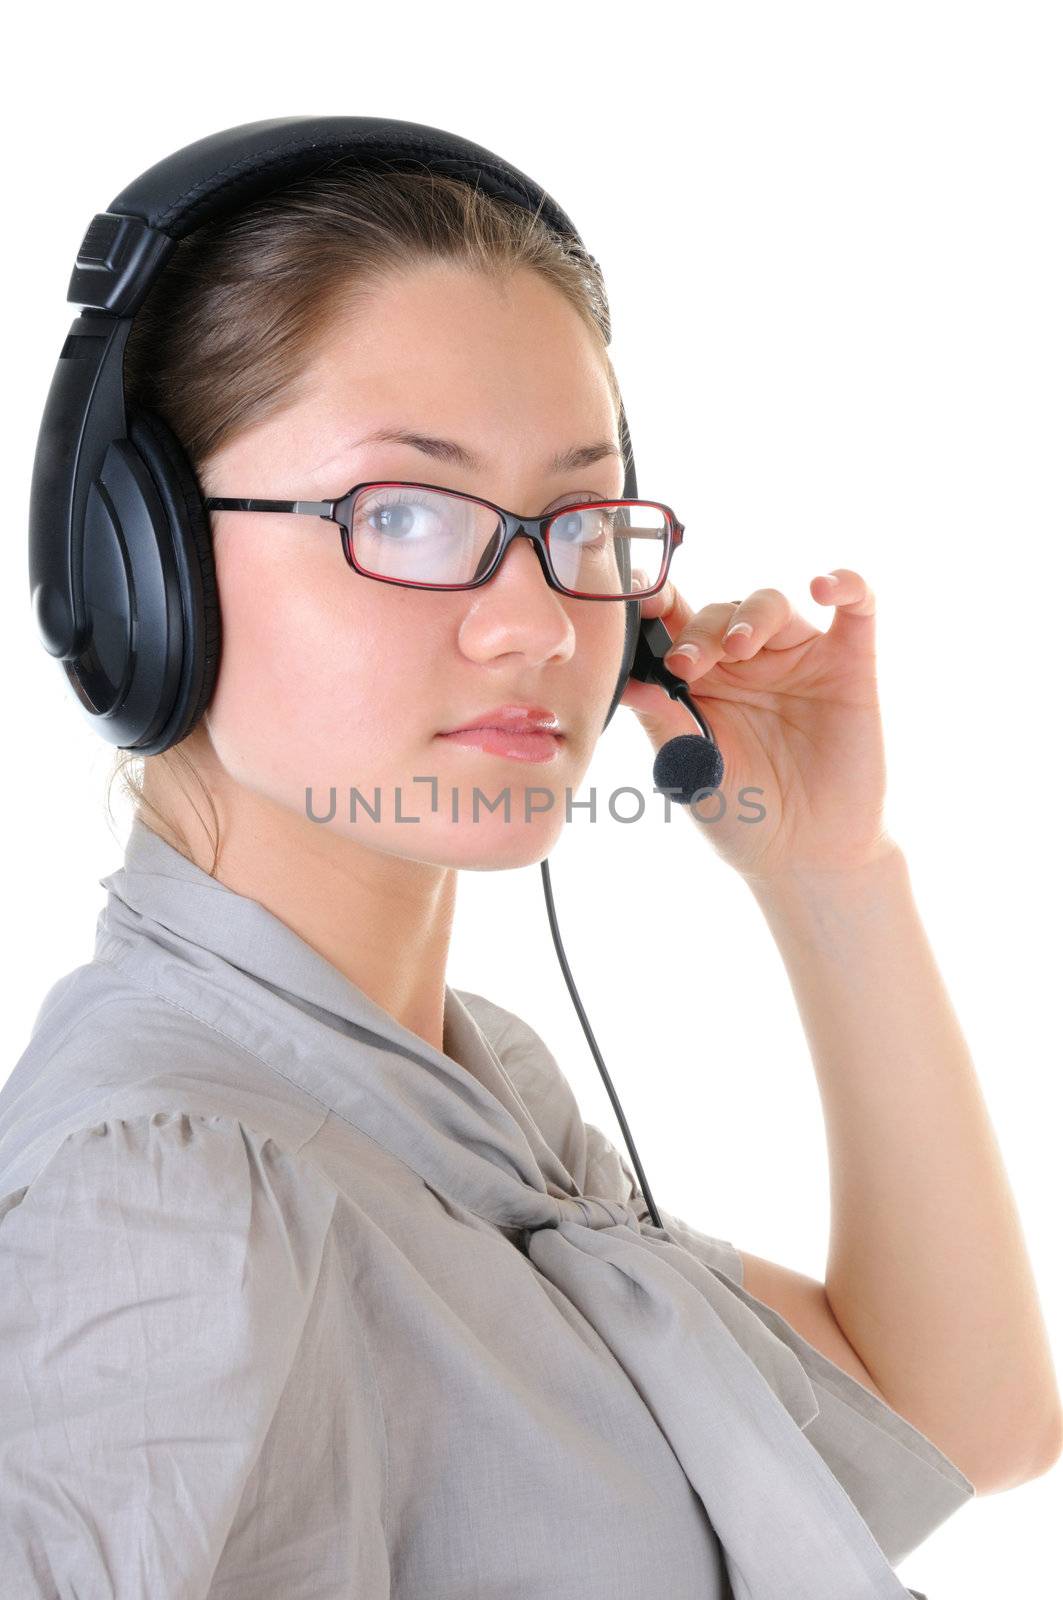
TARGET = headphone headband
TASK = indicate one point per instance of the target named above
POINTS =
(121, 563)
(126, 245)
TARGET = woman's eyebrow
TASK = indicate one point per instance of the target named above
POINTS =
(458, 455)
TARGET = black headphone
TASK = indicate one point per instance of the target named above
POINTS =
(121, 562)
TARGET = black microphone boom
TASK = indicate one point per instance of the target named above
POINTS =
(691, 761)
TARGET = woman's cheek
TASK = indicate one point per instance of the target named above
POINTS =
(299, 703)
(265, 707)
(602, 647)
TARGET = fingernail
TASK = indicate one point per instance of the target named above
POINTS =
(828, 577)
(740, 627)
(689, 652)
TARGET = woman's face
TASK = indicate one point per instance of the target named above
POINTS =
(330, 680)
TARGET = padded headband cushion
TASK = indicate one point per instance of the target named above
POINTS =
(222, 172)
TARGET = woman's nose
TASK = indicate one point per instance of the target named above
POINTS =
(524, 558)
(517, 609)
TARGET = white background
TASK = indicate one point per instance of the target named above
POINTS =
(832, 240)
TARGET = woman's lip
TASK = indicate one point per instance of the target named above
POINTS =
(515, 719)
(501, 727)
(513, 726)
(534, 744)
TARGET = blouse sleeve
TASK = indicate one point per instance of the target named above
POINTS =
(157, 1275)
(901, 1483)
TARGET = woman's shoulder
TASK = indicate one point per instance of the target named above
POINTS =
(160, 1272)
(105, 1052)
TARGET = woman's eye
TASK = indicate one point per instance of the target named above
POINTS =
(401, 519)
(568, 526)
(584, 525)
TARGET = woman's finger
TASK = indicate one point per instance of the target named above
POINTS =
(669, 605)
(764, 620)
(849, 592)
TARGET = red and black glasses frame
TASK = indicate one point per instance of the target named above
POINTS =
(536, 529)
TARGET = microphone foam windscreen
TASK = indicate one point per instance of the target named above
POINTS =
(688, 763)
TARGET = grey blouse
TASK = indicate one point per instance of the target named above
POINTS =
(296, 1307)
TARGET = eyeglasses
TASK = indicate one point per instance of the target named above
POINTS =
(424, 537)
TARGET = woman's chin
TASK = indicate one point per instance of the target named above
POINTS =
(492, 847)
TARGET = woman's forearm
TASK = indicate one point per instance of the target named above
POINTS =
(928, 1274)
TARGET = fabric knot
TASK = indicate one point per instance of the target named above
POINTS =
(594, 1211)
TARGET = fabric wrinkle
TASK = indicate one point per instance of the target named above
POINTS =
(269, 1323)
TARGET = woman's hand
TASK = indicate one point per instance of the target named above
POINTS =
(795, 713)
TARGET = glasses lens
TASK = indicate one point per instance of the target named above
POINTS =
(609, 549)
(427, 536)
(422, 535)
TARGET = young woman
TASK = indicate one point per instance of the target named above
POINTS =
(315, 1282)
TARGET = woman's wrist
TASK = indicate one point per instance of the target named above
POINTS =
(846, 883)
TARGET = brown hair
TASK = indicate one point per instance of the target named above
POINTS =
(224, 338)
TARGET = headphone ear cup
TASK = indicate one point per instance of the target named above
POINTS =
(180, 492)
